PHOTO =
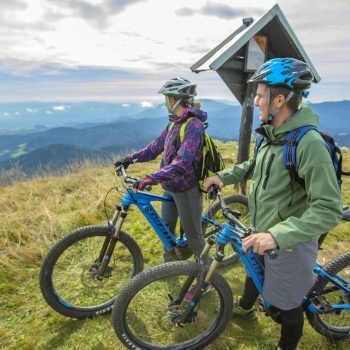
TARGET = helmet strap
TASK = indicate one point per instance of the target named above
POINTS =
(289, 96)
(270, 115)
(175, 106)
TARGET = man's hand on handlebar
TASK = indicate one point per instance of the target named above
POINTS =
(213, 180)
(261, 242)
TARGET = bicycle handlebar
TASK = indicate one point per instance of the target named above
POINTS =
(120, 171)
(232, 216)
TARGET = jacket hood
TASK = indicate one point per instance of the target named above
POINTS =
(191, 112)
(304, 116)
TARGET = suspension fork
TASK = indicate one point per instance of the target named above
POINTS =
(204, 279)
(109, 244)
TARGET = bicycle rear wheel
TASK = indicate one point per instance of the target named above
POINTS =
(234, 202)
(68, 274)
(334, 324)
(142, 317)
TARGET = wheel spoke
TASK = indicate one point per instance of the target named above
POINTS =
(151, 319)
(74, 275)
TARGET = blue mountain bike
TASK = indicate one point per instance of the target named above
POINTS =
(84, 271)
(152, 312)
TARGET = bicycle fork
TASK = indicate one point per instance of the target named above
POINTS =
(205, 276)
(110, 242)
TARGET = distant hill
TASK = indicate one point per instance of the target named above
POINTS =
(19, 118)
(52, 158)
(91, 140)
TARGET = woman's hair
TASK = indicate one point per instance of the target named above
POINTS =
(190, 102)
(295, 100)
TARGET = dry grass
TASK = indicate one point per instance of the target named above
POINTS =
(34, 214)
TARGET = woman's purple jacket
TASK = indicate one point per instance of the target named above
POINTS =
(179, 169)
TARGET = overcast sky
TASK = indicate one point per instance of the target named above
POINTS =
(123, 50)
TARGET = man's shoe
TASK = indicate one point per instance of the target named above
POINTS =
(189, 294)
(240, 312)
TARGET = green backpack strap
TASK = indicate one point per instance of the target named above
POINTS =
(183, 128)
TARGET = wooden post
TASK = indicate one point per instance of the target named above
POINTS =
(245, 131)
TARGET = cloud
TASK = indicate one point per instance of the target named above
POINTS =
(194, 49)
(228, 12)
(60, 108)
(95, 14)
(185, 11)
(13, 5)
(221, 11)
(146, 104)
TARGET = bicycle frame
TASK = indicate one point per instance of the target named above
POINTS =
(256, 270)
(232, 232)
(338, 282)
(143, 202)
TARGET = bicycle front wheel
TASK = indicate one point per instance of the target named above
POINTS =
(234, 202)
(143, 317)
(334, 324)
(68, 274)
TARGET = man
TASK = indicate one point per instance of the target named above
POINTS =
(289, 215)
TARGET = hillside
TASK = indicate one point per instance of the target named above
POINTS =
(35, 214)
(98, 129)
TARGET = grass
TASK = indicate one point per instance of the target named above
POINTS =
(35, 214)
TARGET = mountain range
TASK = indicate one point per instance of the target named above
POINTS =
(44, 135)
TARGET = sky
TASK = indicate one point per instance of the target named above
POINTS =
(124, 50)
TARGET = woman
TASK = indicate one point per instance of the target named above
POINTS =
(181, 162)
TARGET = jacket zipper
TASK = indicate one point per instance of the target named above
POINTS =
(257, 186)
(268, 169)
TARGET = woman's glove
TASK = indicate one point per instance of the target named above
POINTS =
(141, 183)
(124, 162)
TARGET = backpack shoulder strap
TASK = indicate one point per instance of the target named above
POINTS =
(290, 145)
(290, 154)
(183, 128)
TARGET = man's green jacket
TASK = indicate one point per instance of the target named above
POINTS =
(292, 214)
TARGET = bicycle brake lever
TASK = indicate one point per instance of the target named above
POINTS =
(148, 188)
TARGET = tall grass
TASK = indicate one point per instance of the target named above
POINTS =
(35, 213)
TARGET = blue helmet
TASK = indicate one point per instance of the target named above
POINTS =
(284, 72)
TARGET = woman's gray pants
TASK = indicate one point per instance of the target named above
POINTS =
(189, 206)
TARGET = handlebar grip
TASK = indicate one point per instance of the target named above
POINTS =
(272, 253)
(213, 191)
(148, 188)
